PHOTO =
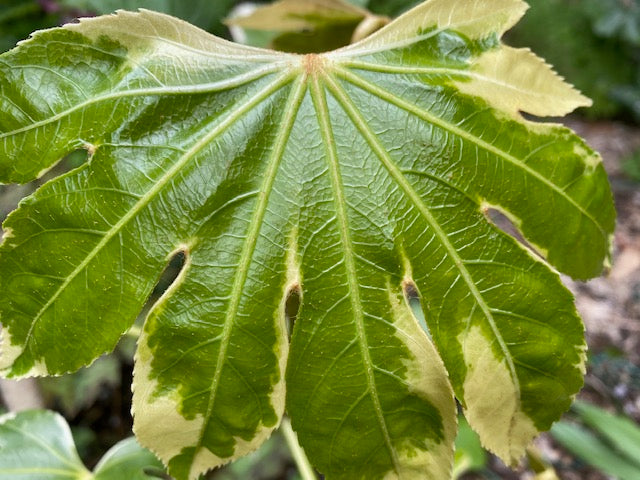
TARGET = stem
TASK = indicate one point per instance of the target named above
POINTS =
(370, 24)
(134, 331)
(302, 462)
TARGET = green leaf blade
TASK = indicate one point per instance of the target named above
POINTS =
(235, 395)
(122, 75)
(501, 323)
(454, 283)
(127, 197)
(43, 438)
(514, 162)
(355, 178)
(400, 412)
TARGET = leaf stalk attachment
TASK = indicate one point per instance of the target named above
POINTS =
(302, 462)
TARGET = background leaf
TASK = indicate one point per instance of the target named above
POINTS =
(37, 445)
(621, 432)
(592, 450)
(311, 26)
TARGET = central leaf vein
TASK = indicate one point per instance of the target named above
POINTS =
(246, 256)
(322, 110)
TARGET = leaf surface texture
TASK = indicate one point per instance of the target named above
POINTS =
(353, 178)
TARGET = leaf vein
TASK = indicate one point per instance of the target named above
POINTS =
(405, 185)
(322, 110)
(158, 186)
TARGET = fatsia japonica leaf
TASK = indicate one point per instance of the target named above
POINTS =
(354, 179)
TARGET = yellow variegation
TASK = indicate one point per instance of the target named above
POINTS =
(353, 179)
(514, 80)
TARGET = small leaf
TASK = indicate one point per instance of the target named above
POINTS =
(127, 460)
(37, 445)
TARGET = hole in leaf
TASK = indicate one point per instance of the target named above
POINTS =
(412, 297)
(292, 307)
(501, 221)
(171, 272)
(10, 195)
(167, 277)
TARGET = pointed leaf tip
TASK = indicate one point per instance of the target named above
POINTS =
(516, 80)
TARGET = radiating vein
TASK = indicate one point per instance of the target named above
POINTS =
(226, 84)
(463, 134)
(406, 69)
(159, 185)
(322, 111)
(462, 71)
(246, 256)
(377, 147)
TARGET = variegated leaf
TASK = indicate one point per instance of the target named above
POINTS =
(353, 178)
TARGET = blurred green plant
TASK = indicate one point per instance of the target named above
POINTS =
(80, 389)
(392, 8)
(631, 165)
(44, 438)
(18, 18)
(596, 43)
(608, 442)
(469, 454)
(615, 19)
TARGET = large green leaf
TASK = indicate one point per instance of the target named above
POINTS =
(355, 179)
(37, 445)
